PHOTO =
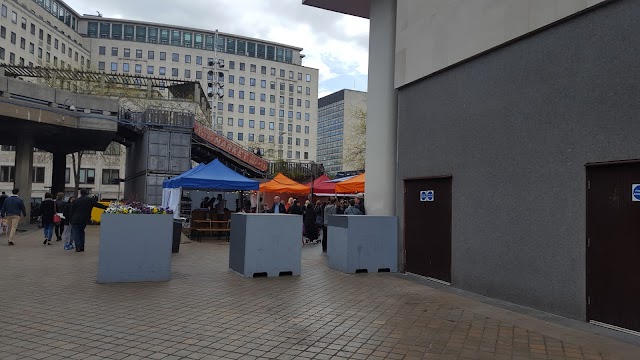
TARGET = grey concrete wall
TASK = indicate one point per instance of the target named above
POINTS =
(515, 128)
(135, 248)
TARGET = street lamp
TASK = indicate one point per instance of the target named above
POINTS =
(215, 89)
(71, 106)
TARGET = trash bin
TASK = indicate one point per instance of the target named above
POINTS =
(177, 235)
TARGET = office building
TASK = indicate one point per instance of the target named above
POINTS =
(504, 135)
(341, 119)
(270, 98)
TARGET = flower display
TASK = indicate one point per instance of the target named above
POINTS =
(118, 207)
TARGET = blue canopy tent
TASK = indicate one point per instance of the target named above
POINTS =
(212, 176)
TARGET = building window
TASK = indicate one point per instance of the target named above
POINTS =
(102, 50)
(109, 175)
(101, 65)
(14, 17)
(138, 68)
(241, 94)
(241, 80)
(163, 70)
(307, 116)
(241, 109)
(7, 174)
(151, 54)
(298, 128)
(308, 77)
(252, 95)
(230, 135)
(87, 176)
(150, 69)
(198, 75)
(163, 55)
(272, 112)
(252, 82)
(252, 124)
(4, 11)
(230, 121)
(240, 136)
(306, 129)
(251, 137)
(271, 139)
(230, 107)
(308, 91)
(262, 124)
(138, 53)
(175, 57)
(187, 59)
(187, 74)
(125, 67)
(67, 176)
(232, 79)
(240, 122)
(174, 72)
(252, 109)
(263, 111)
(306, 142)
(114, 66)
(198, 60)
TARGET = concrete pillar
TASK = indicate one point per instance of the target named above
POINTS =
(58, 174)
(24, 170)
(380, 158)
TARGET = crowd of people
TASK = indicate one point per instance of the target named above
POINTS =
(67, 218)
(316, 216)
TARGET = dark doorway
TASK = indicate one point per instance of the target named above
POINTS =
(613, 245)
(427, 227)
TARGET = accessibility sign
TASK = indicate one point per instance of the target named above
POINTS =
(427, 195)
(635, 192)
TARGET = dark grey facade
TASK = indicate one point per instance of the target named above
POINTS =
(515, 128)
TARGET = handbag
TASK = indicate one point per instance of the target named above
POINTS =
(56, 217)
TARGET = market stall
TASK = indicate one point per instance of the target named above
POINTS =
(353, 185)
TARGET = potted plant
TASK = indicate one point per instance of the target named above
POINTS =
(135, 243)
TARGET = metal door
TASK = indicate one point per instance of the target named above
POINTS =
(613, 245)
(427, 227)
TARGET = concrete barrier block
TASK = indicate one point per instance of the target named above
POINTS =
(265, 244)
(135, 248)
(359, 243)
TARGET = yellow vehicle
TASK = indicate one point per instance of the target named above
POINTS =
(96, 213)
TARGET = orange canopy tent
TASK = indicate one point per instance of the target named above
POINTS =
(353, 185)
(282, 184)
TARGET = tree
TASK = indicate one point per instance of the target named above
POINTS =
(355, 140)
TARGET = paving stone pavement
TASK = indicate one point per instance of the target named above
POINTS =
(52, 308)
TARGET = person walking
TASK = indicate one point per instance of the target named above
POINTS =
(81, 216)
(11, 210)
(47, 210)
(3, 197)
(329, 210)
(66, 217)
(295, 209)
(60, 206)
(310, 227)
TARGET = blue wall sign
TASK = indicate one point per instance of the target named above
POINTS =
(423, 196)
(430, 195)
(635, 192)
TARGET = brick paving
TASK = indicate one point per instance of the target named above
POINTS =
(52, 308)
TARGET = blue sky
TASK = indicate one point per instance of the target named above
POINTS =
(335, 44)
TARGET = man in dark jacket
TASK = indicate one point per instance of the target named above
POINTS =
(11, 210)
(81, 216)
(277, 207)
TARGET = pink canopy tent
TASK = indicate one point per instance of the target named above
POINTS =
(322, 186)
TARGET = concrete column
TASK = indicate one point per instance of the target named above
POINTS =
(24, 170)
(380, 158)
(59, 169)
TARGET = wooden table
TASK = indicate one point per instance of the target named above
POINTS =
(220, 227)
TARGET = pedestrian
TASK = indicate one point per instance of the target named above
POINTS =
(11, 210)
(295, 209)
(329, 210)
(277, 207)
(360, 204)
(81, 216)
(352, 209)
(3, 197)
(310, 227)
(66, 217)
(47, 210)
(60, 206)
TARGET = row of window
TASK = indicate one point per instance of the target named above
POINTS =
(175, 57)
(58, 11)
(57, 44)
(86, 175)
(187, 39)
